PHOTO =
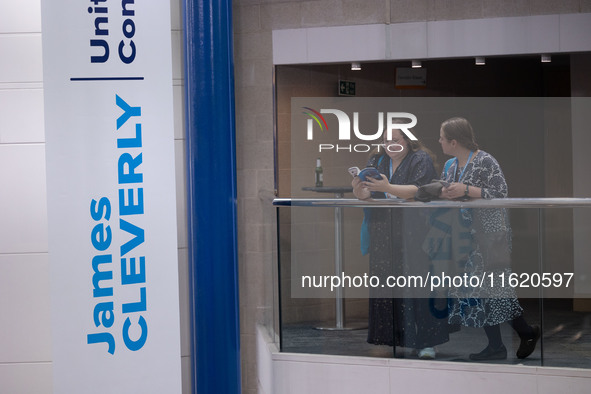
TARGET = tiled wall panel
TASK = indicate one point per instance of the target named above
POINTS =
(25, 305)
(23, 16)
(21, 116)
(21, 58)
(23, 216)
(33, 378)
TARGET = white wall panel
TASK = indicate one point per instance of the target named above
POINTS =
(187, 372)
(290, 46)
(178, 98)
(542, 34)
(25, 320)
(34, 378)
(23, 198)
(181, 193)
(21, 58)
(347, 43)
(176, 20)
(434, 39)
(325, 377)
(185, 310)
(264, 361)
(575, 33)
(401, 47)
(313, 373)
(21, 116)
(23, 16)
(433, 379)
(177, 55)
(497, 36)
(563, 384)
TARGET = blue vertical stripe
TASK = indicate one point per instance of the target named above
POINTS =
(211, 153)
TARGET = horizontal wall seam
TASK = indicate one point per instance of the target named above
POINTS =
(557, 33)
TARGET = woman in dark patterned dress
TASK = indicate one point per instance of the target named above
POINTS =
(404, 322)
(473, 173)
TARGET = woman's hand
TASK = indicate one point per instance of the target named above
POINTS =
(359, 189)
(453, 191)
(378, 185)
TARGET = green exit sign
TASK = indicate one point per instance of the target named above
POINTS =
(346, 88)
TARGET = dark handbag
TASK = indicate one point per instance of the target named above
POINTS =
(430, 191)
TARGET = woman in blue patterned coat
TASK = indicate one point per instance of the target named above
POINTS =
(473, 173)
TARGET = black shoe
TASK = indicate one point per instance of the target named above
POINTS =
(528, 344)
(490, 354)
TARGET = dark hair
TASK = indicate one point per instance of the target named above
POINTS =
(459, 129)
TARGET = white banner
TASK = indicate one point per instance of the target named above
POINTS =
(111, 196)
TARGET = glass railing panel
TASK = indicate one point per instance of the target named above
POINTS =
(316, 317)
(567, 313)
(333, 301)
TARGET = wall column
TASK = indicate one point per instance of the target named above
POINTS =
(211, 166)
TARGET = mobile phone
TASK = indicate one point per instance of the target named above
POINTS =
(354, 171)
(369, 172)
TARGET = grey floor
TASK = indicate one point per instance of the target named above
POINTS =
(566, 339)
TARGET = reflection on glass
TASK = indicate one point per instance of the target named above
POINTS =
(309, 252)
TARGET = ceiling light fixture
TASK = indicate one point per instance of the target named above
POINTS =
(546, 58)
(355, 66)
(480, 61)
(416, 64)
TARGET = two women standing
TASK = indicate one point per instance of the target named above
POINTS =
(471, 173)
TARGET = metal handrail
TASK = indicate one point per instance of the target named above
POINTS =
(400, 203)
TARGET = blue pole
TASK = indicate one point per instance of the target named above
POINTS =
(211, 163)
